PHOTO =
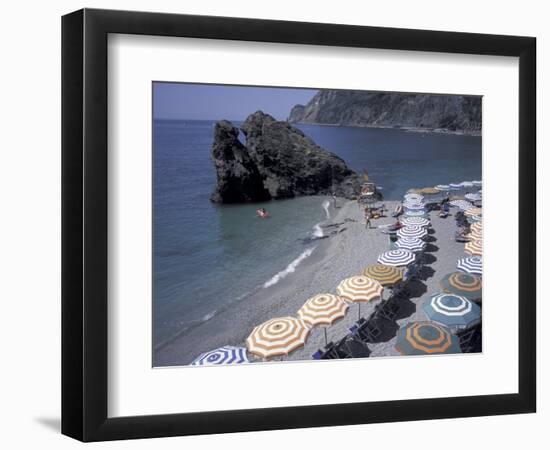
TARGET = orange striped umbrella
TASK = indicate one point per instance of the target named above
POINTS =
(360, 289)
(473, 212)
(277, 337)
(323, 310)
(477, 227)
(463, 284)
(426, 338)
(474, 247)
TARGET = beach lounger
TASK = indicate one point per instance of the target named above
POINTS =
(387, 310)
(366, 330)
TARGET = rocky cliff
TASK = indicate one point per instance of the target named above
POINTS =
(453, 113)
(277, 161)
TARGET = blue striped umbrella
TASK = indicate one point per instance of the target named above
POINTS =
(462, 204)
(473, 197)
(414, 206)
(413, 197)
(452, 311)
(412, 231)
(222, 356)
(414, 220)
(411, 244)
(474, 219)
(473, 265)
(415, 213)
(396, 258)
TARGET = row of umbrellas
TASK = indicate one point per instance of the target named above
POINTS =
(281, 336)
(453, 308)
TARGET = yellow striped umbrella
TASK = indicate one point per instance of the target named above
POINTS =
(277, 337)
(324, 310)
(464, 284)
(360, 289)
(474, 247)
(473, 212)
(385, 275)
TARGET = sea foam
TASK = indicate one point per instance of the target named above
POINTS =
(289, 269)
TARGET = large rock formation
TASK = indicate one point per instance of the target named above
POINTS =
(456, 113)
(238, 177)
(278, 161)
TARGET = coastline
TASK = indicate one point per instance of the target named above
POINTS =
(397, 128)
(347, 250)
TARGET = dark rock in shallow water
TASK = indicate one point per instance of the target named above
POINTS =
(278, 161)
(237, 174)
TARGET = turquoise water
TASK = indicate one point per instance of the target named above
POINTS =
(207, 256)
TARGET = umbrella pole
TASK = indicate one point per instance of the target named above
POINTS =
(359, 311)
(326, 340)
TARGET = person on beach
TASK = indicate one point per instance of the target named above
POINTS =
(367, 220)
(334, 200)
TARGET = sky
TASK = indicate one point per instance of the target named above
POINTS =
(217, 102)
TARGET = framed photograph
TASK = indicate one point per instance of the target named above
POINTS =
(273, 224)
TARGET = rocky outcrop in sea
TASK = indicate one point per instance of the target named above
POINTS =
(434, 112)
(277, 161)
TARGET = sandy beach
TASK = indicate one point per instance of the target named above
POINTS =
(347, 250)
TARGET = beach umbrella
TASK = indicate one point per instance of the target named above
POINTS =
(410, 243)
(222, 356)
(473, 197)
(413, 197)
(412, 231)
(475, 235)
(396, 258)
(414, 221)
(429, 191)
(477, 227)
(451, 310)
(462, 204)
(463, 284)
(415, 213)
(473, 212)
(455, 186)
(385, 275)
(360, 289)
(474, 247)
(426, 338)
(442, 187)
(414, 205)
(473, 265)
(323, 310)
(277, 337)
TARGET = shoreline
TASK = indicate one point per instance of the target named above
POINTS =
(314, 275)
(397, 128)
(347, 251)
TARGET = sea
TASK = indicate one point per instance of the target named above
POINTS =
(207, 256)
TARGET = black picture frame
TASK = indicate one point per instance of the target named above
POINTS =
(84, 224)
